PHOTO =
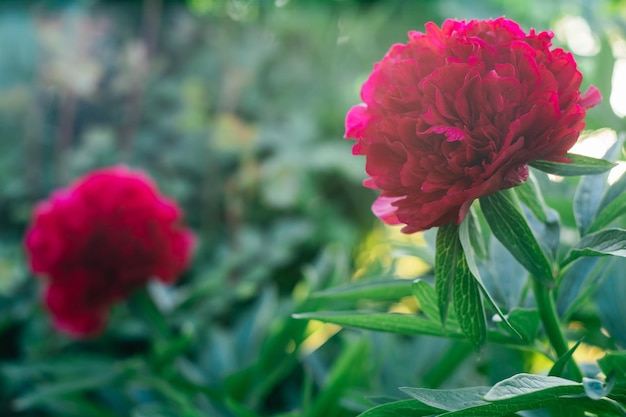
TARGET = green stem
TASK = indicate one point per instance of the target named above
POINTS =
(551, 324)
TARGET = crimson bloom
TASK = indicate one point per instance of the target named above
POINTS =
(100, 239)
(458, 112)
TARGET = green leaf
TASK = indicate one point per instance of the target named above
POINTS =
(510, 227)
(559, 366)
(579, 165)
(51, 391)
(384, 290)
(345, 373)
(590, 191)
(448, 248)
(404, 408)
(530, 195)
(525, 322)
(533, 386)
(613, 210)
(465, 237)
(427, 299)
(614, 362)
(448, 400)
(603, 243)
(387, 322)
(468, 304)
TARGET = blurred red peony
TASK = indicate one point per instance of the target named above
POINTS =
(458, 112)
(100, 239)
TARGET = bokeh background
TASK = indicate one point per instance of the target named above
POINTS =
(236, 108)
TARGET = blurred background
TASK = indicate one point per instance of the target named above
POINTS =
(236, 108)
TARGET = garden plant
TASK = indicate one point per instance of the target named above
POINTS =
(184, 232)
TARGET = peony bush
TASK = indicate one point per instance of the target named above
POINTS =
(100, 239)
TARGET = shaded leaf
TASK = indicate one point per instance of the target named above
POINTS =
(602, 243)
(509, 226)
(404, 408)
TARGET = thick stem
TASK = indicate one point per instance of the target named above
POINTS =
(552, 326)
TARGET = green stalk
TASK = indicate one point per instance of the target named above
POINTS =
(549, 317)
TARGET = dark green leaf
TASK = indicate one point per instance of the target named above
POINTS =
(51, 391)
(384, 290)
(603, 243)
(579, 165)
(448, 248)
(404, 408)
(509, 226)
(614, 362)
(559, 366)
(468, 304)
(346, 372)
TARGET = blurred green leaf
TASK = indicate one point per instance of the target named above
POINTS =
(51, 391)
(384, 290)
(346, 372)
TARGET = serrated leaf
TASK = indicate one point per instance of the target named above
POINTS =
(404, 408)
(468, 304)
(578, 165)
(448, 248)
(384, 290)
(530, 195)
(603, 243)
(560, 364)
(510, 227)
(590, 190)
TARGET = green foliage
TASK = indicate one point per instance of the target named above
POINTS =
(236, 109)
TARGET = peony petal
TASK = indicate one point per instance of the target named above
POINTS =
(383, 209)
(591, 97)
(356, 121)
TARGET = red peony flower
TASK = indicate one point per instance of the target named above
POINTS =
(458, 112)
(100, 239)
